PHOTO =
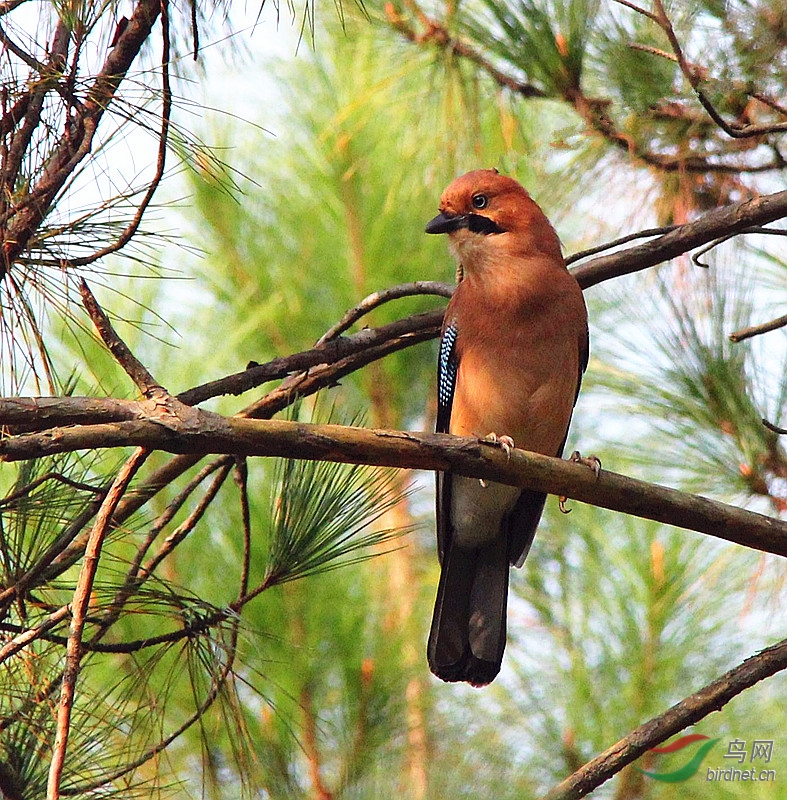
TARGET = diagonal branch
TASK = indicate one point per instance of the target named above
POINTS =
(401, 333)
(657, 730)
(134, 368)
(79, 607)
(719, 222)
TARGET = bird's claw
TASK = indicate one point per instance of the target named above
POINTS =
(592, 462)
(506, 442)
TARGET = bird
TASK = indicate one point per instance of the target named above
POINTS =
(513, 349)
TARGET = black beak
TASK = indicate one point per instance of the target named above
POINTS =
(446, 223)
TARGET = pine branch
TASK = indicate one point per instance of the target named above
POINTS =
(694, 75)
(205, 432)
(411, 330)
(148, 386)
(77, 138)
(79, 607)
(657, 730)
(756, 330)
(594, 111)
(719, 222)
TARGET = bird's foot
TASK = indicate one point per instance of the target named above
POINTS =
(592, 462)
(506, 442)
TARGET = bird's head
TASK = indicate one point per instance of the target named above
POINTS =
(488, 215)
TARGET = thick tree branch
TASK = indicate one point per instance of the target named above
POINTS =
(689, 711)
(719, 222)
(204, 432)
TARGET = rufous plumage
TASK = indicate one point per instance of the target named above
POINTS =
(513, 350)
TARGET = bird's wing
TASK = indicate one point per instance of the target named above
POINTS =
(447, 367)
(526, 514)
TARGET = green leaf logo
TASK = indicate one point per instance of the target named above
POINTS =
(688, 769)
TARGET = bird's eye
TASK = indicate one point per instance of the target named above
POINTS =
(480, 201)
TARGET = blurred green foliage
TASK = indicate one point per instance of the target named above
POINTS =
(321, 685)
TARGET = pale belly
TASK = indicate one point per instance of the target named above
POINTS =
(477, 510)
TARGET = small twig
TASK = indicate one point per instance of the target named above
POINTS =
(376, 299)
(639, 10)
(169, 513)
(775, 428)
(241, 477)
(770, 102)
(79, 606)
(50, 476)
(26, 637)
(188, 524)
(134, 368)
(648, 232)
(756, 330)
(657, 730)
(695, 257)
(654, 51)
(716, 242)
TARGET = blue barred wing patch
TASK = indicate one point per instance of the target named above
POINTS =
(447, 365)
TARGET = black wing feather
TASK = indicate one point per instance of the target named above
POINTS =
(447, 367)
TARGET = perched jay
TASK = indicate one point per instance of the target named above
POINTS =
(513, 350)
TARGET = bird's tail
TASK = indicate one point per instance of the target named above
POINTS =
(468, 633)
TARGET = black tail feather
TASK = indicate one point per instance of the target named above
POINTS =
(468, 633)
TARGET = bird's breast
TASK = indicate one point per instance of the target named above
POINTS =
(517, 376)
